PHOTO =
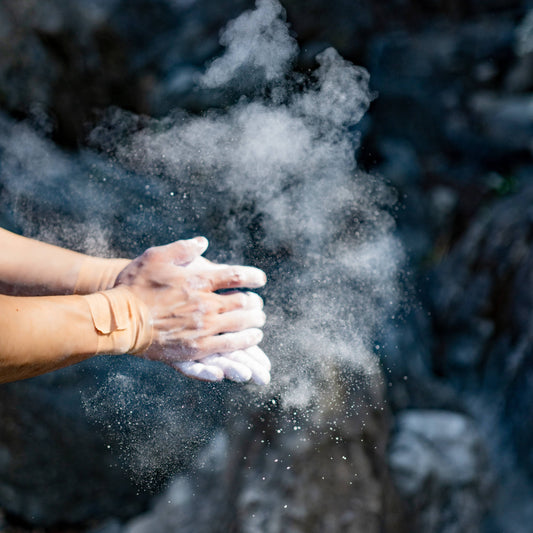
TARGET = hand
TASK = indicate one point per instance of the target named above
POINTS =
(250, 364)
(241, 366)
(190, 320)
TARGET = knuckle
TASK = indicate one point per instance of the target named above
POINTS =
(191, 283)
(197, 304)
(208, 324)
(210, 306)
(200, 283)
(205, 306)
(150, 254)
(218, 305)
(198, 319)
(235, 276)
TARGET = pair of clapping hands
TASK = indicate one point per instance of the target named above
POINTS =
(204, 334)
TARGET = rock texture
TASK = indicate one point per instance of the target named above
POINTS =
(280, 472)
(483, 314)
(441, 467)
(53, 462)
(60, 62)
(186, 169)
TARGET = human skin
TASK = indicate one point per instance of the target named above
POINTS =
(190, 320)
(162, 306)
(33, 268)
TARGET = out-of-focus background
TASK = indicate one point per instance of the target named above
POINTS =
(438, 436)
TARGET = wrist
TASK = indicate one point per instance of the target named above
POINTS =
(98, 274)
(123, 322)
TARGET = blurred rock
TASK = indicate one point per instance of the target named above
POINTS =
(440, 466)
(168, 44)
(401, 165)
(282, 472)
(109, 526)
(406, 348)
(524, 35)
(70, 60)
(62, 59)
(67, 434)
(422, 78)
(425, 77)
(53, 462)
(520, 77)
(482, 305)
(505, 121)
(94, 441)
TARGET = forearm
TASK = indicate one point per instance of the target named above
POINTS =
(163, 305)
(31, 267)
(41, 334)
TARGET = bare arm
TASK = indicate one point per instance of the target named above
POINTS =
(31, 267)
(160, 308)
(41, 334)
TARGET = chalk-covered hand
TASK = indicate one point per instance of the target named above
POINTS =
(190, 320)
(241, 366)
(245, 365)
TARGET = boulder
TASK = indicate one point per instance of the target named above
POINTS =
(60, 62)
(440, 466)
(287, 470)
(482, 300)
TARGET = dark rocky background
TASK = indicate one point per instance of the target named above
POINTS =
(446, 444)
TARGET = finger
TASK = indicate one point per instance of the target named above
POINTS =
(260, 374)
(227, 342)
(234, 321)
(259, 356)
(197, 370)
(182, 252)
(193, 324)
(236, 277)
(222, 303)
(203, 264)
(233, 370)
(250, 299)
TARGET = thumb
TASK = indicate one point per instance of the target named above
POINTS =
(183, 252)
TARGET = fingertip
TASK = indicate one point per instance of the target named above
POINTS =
(185, 251)
(238, 374)
(202, 243)
(260, 373)
(260, 278)
(259, 356)
(252, 299)
(233, 370)
(258, 333)
(261, 376)
(263, 379)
